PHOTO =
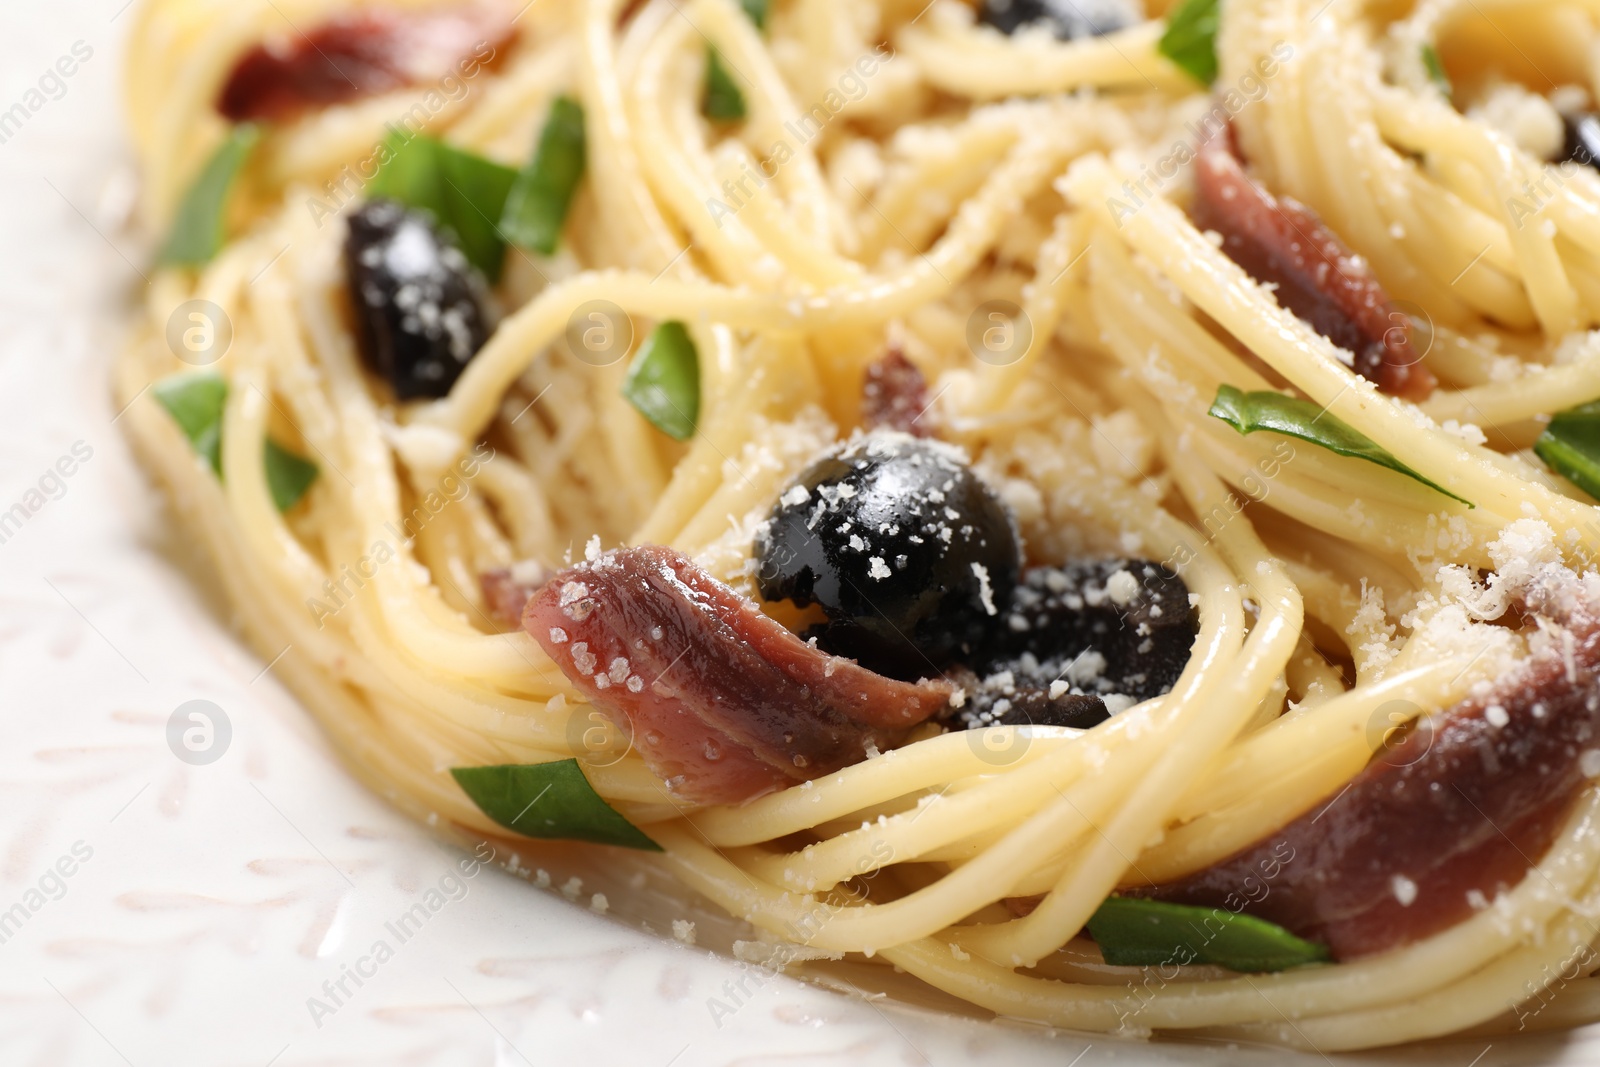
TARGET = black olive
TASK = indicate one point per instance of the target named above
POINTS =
(908, 553)
(1583, 138)
(1013, 695)
(1069, 20)
(419, 302)
(1078, 638)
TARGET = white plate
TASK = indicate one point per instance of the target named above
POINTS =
(218, 899)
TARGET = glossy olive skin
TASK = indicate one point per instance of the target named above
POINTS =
(1068, 20)
(419, 304)
(908, 553)
(1582, 145)
(1064, 625)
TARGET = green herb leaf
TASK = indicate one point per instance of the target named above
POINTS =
(1435, 69)
(465, 193)
(200, 228)
(756, 10)
(537, 205)
(1147, 933)
(664, 381)
(196, 401)
(1571, 447)
(1293, 417)
(1191, 39)
(551, 800)
(288, 476)
(724, 101)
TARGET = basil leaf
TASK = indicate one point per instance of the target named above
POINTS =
(550, 800)
(1190, 40)
(1293, 417)
(196, 401)
(465, 193)
(200, 229)
(1148, 933)
(1570, 446)
(664, 381)
(724, 101)
(288, 476)
(756, 10)
(539, 200)
(1435, 69)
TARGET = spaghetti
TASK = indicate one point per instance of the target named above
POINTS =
(899, 172)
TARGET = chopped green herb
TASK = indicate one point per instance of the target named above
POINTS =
(1191, 39)
(288, 475)
(1435, 69)
(551, 800)
(756, 10)
(465, 193)
(201, 226)
(537, 205)
(196, 402)
(1148, 933)
(1571, 447)
(724, 101)
(664, 381)
(1293, 417)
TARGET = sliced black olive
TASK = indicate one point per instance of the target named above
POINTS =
(909, 554)
(1069, 20)
(419, 302)
(1079, 642)
(1583, 138)
(1015, 695)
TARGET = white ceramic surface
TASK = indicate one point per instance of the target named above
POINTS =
(216, 900)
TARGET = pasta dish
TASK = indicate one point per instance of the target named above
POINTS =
(1092, 507)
